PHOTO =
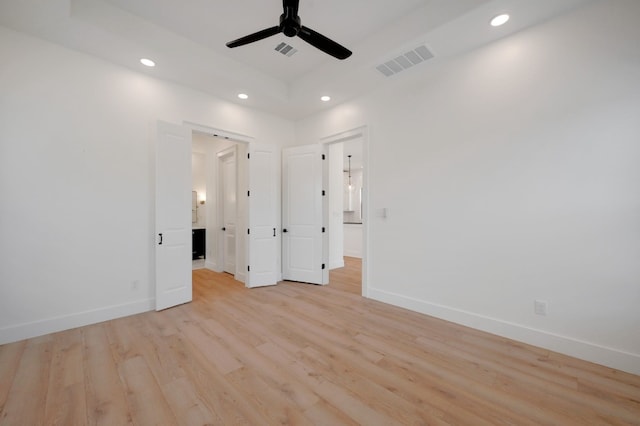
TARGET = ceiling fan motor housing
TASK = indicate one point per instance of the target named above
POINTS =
(289, 23)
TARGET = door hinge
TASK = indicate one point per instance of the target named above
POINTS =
(248, 231)
(323, 156)
(248, 156)
(323, 229)
(323, 266)
(248, 268)
(248, 193)
(323, 193)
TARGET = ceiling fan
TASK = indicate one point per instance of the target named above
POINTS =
(290, 25)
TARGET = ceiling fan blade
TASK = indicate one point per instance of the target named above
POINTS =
(268, 32)
(292, 4)
(323, 43)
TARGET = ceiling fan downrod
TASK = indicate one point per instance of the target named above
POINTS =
(290, 23)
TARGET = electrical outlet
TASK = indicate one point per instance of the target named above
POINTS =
(540, 307)
(135, 284)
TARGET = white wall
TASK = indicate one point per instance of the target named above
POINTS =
(514, 175)
(353, 240)
(77, 139)
(199, 184)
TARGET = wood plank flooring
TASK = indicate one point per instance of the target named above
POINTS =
(300, 354)
(349, 278)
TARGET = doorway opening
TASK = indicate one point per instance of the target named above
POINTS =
(347, 178)
(256, 201)
(256, 252)
(219, 211)
(257, 210)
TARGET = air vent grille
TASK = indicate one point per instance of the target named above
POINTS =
(405, 61)
(286, 49)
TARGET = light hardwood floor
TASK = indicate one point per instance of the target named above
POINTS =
(299, 354)
(349, 278)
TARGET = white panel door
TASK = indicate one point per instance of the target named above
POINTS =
(173, 215)
(302, 215)
(264, 170)
(229, 211)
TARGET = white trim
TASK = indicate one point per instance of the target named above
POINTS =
(588, 351)
(28, 330)
(336, 264)
(211, 265)
(355, 254)
(344, 136)
(224, 134)
(198, 264)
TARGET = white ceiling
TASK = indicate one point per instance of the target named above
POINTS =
(187, 40)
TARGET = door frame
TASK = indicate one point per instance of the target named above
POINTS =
(220, 158)
(245, 140)
(244, 145)
(344, 136)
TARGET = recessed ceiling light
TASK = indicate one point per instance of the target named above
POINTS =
(325, 98)
(243, 96)
(499, 20)
(147, 62)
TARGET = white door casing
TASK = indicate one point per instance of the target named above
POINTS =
(335, 217)
(263, 196)
(173, 217)
(303, 255)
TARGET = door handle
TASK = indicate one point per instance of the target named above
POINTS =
(224, 229)
(160, 243)
(285, 230)
(274, 232)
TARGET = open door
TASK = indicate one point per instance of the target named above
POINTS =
(302, 215)
(173, 217)
(228, 197)
(264, 169)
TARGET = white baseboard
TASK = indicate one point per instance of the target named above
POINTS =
(357, 254)
(28, 330)
(587, 351)
(336, 263)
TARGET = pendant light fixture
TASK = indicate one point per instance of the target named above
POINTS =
(349, 172)
(349, 201)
